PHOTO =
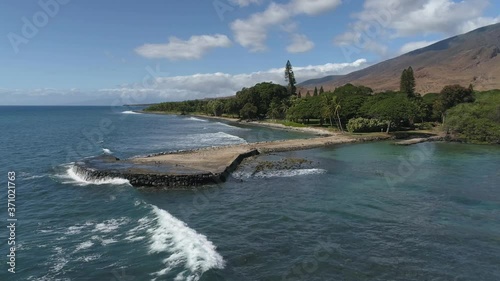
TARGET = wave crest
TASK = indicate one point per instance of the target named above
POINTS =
(72, 177)
(184, 246)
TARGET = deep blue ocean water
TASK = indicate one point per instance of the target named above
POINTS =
(371, 211)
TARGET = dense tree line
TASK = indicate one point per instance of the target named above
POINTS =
(357, 108)
(477, 121)
(257, 102)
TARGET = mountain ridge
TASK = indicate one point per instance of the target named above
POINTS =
(470, 58)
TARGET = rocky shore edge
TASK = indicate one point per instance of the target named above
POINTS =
(136, 170)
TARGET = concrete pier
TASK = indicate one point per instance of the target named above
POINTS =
(196, 167)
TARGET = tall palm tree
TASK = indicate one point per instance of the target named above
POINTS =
(337, 107)
(283, 108)
(331, 110)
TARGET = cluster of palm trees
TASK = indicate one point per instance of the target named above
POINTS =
(331, 109)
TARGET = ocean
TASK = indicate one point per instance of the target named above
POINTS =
(368, 211)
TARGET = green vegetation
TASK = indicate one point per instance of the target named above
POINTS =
(290, 78)
(469, 116)
(363, 125)
(257, 102)
(407, 84)
(477, 122)
(451, 96)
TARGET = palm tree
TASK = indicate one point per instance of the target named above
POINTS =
(331, 110)
(283, 108)
(274, 111)
(337, 106)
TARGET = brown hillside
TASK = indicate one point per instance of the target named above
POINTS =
(472, 58)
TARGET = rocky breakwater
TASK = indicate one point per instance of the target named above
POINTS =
(155, 174)
(197, 167)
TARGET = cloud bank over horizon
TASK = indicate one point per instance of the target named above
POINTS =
(212, 48)
(176, 88)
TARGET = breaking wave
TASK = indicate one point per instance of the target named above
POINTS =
(72, 177)
(216, 139)
(196, 119)
(183, 246)
(130, 112)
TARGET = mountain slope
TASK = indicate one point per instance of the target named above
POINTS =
(471, 58)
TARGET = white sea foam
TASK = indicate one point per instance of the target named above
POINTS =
(196, 119)
(288, 173)
(76, 229)
(84, 245)
(28, 176)
(34, 177)
(111, 225)
(104, 242)
(72, 177)
(134, 238)
(59, 259)
(134, 234)
(216, 139)
(130, 112)
(184, 245)
(106, 151)
(232, 127)
(278, 173)
(88, 258)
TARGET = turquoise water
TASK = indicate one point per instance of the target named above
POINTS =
(370, 211)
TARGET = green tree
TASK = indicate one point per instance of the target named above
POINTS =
(392, 110)
(321, 90)
(363, 125)
(261, 95)
(308, 95)
(284, 106)
(407, 83)
(451, 96)
(331, 109)
(290, 78)
(477, 122)
(216, 107)
(315, 92)
(249, 111)
(274, 111)
(231, 107)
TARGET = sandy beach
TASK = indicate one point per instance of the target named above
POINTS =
(222, 160)
(316, 131)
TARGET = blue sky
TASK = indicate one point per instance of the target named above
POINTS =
(102, 52)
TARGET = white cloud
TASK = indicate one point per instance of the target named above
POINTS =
(173, 88)
(477, 23)
(177, 49)
(313, 7)
(383, 20)
(244, 3)
(222, 84)
(300, 44)
(252, 32)
(412, 46)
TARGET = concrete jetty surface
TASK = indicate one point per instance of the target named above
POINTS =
(196, 167)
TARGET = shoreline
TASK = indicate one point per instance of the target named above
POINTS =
(197, 167)
(209, 165)
(322, 132)
(409, 138)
